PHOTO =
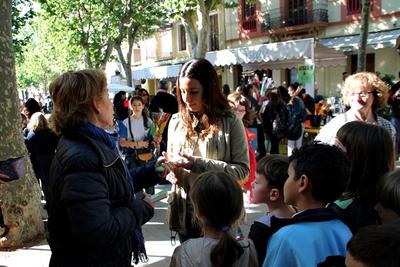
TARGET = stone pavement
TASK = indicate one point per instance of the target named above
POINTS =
(156, 234)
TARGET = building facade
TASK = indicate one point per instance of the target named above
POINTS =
(276, 36)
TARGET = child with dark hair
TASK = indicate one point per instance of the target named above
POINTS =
(241, 106)
(31, 106)
(370, 150)
(388, 197)
(375, 246)
(317, 176)
(271, 174)
(218, 205)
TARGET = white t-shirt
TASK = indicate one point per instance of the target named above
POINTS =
(137, 127)
(196, 253)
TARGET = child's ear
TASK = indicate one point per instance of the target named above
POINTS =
(274, 194)
(303, 183)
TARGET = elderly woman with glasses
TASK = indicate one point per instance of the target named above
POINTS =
(364, 93)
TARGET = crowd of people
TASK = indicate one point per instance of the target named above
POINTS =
(330, 202)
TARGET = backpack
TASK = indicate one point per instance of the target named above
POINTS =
(280, 124)
(294, 123)
(296, 116)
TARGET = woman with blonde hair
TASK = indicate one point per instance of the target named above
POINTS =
(364, 93)
(41, 143)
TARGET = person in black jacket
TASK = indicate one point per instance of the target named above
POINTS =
(92, 209)
(41, 143)
(167, 103)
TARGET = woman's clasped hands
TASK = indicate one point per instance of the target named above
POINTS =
(184, 161)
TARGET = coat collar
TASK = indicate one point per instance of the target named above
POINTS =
(108, 156)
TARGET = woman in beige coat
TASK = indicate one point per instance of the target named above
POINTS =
(204, 135)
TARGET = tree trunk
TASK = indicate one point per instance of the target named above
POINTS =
(190, 27)
(126, 62)
(20, 199)
(203, 26)
(107, 54)
(88, 60)
(362, 46)
(125, 65)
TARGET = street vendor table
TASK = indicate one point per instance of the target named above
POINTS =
(310, 133)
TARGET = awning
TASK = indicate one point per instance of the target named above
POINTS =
(278, 55)
(155, 72)
(114, 87)
(376, 40)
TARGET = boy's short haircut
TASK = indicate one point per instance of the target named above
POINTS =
(327, 168)
(377, 245)
(275, 170)
(388, 191)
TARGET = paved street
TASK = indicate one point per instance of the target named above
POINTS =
(156, 234)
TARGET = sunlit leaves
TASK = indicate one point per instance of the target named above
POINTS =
(22, 12)
(47, 55)
(89, 23)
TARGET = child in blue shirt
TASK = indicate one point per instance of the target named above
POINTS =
(271, 174)
(318, 174)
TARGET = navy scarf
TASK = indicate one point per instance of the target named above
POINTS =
(96, 132)
(139, 250)
(101, 135)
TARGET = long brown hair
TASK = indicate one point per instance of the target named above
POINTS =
(213, 99)
(144, 113)
(218, 203)
(371, 152)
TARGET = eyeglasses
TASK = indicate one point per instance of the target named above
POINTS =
(362, 93)
(240, 110)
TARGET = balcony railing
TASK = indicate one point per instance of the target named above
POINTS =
(273, 19)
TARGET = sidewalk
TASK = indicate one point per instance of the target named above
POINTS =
(156, 234)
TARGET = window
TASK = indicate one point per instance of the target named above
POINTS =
(249, 10)
(369, 63)
(166, 43)
(214, 39)
(149, 48)
(181, 38)
(136, 54)
(297, 13)
(249, 21)
(355, 6)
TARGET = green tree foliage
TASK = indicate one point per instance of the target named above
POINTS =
(22, 12)
(138, 19)
(47, 55)
(89, 25)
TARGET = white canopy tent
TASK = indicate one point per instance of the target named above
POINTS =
(155, 72)
(114, 88)
(376, 40)
(278, 55)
